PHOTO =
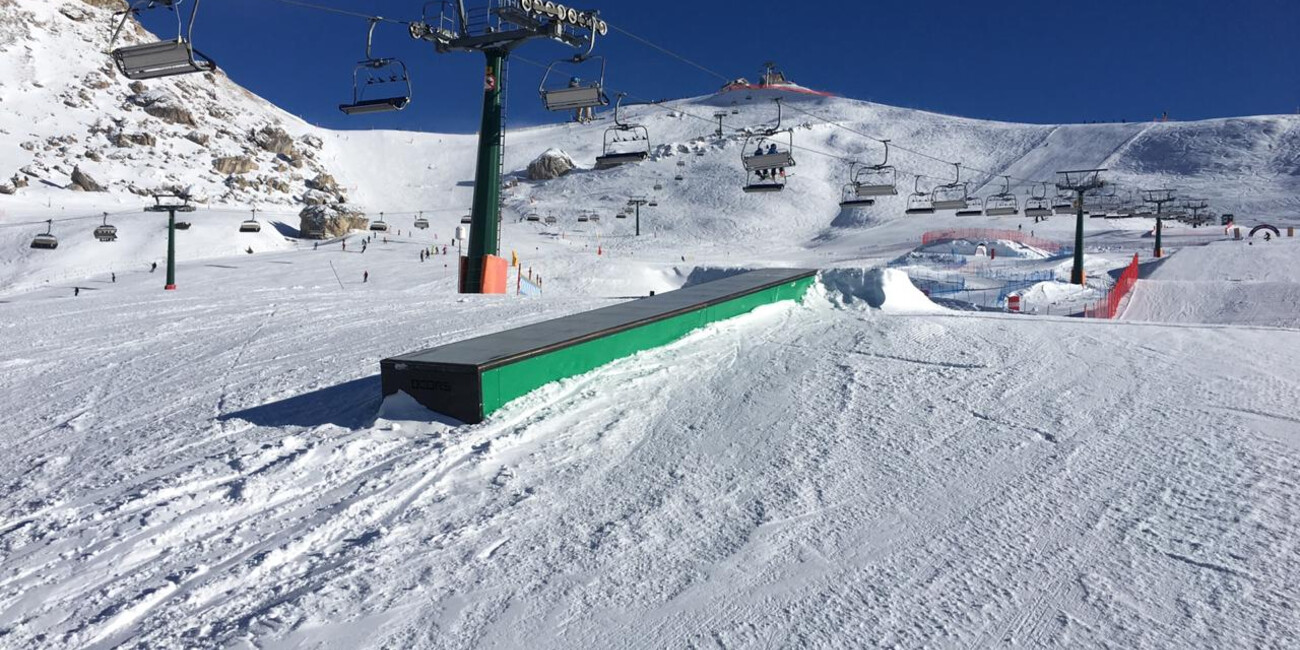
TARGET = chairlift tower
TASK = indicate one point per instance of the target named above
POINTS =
(1196, 206)
(1080, 182)
(495, 28)
(168, 203)
(1159, 198)
(635, 203)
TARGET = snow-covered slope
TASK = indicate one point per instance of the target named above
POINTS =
(212, 467)
(205, 469)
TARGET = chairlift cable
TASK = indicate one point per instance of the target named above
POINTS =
(343, 12)
(668, 52)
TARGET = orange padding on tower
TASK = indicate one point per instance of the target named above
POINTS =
(496, 272)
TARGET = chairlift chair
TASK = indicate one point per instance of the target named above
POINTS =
(467, 219)
(1038, 205)
(379, 225)
(378, 76)
(679, 177)
(620, 215)
(250, 225)
(533, 218)
(576, 95)
(919, 202)
(658, 186)
(421, 223)
(876, 180)
(611, 156)
(106, 232)
(163, 58)
(1004, 203)
(951, 196)
(1063, 204)
(551, 220)
(582, 218)
(653, 203)
(974, 208)
(46, 240)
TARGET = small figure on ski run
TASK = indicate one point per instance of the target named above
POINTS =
(345, 244)
(154, 267)
(114, 274)
(365, 276)
(315, 245)
(76, 291)
(1268, 236)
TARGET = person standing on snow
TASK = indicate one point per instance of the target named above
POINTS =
(154, 267)
(76, 291)
(365, 277)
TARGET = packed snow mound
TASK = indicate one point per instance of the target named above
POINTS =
(889, 290)
(552, 164)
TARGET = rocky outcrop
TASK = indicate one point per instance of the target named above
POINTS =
(234, 165)
(81, 181)
(273, 139)
(326, 221)
(123, 140)
(198, 138)
(552, 164)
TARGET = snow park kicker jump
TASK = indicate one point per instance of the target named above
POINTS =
(471, 379)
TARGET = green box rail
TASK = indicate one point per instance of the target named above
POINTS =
(471, 379)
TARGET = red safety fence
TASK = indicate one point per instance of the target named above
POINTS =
(1108, 306)
(978, 235)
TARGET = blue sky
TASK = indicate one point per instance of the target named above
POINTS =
(1038, 61)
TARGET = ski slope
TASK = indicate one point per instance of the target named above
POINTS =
(211, 468)
(1238, 282)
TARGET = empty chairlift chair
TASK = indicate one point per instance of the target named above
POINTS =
(867, 183)
(624, 143)
(1004, 203)
(919, 201)
(1038, 204)
(951, 196)
(106, 232)
(379, 85)
(467, 219)
(1063, 203)
(163, 58)
(251, 224)
(421, 223)
(46, 240)
(974, 208)
(379, 225)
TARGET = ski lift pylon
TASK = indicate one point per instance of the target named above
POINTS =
(378, 73)
(163, 58)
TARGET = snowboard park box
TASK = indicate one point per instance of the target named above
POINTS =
(468, 380)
